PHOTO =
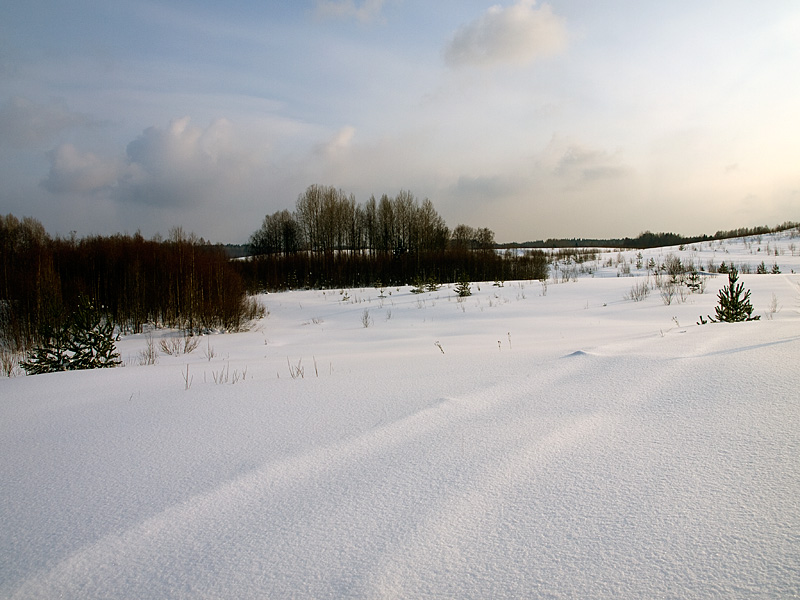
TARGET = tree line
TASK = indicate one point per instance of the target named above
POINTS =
(330, 240)
(648, 239)
(326, 219)
(179, 282)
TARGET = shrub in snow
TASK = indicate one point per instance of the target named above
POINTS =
(85, 341)
(366, 319)
(9, 362)
(673, 267)
(462, 288)
(639, 291)
(148, 356)
(418, 287)
(694, 282)
(733, 302)
(175, 346)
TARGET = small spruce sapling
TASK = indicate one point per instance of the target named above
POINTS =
(51, 355)
(733, 304)
(85, 341)
(694, 282)
(463, 288)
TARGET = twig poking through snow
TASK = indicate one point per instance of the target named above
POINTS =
(187, 380)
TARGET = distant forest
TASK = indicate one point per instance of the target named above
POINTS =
(648, 239)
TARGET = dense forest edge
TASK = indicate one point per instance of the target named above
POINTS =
(180, 282)
(328, 241)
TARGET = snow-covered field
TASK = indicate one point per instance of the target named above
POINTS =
(526, 442)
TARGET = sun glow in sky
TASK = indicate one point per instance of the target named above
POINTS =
(567, 118)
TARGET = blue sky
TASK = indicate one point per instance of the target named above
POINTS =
(568, 118)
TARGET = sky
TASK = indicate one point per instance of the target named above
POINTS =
(564, 119)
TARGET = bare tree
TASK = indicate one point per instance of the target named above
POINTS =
(386, 225)
(484, 238)
(404, 205)
(370, 223)
(463, 237)
(433, 232)
(307, 212)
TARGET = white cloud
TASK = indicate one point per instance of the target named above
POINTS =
(517, 34)
(72, 171)
(338, 143)
(367, 10)
(182, 164)
(172, 166)
(181, 147)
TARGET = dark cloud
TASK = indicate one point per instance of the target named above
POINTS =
(580, 164)
(481, 189)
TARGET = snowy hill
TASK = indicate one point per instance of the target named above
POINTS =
(528, 441)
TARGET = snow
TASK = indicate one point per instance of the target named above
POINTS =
(564, 443)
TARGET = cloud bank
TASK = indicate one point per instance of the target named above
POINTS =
(517, 35)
